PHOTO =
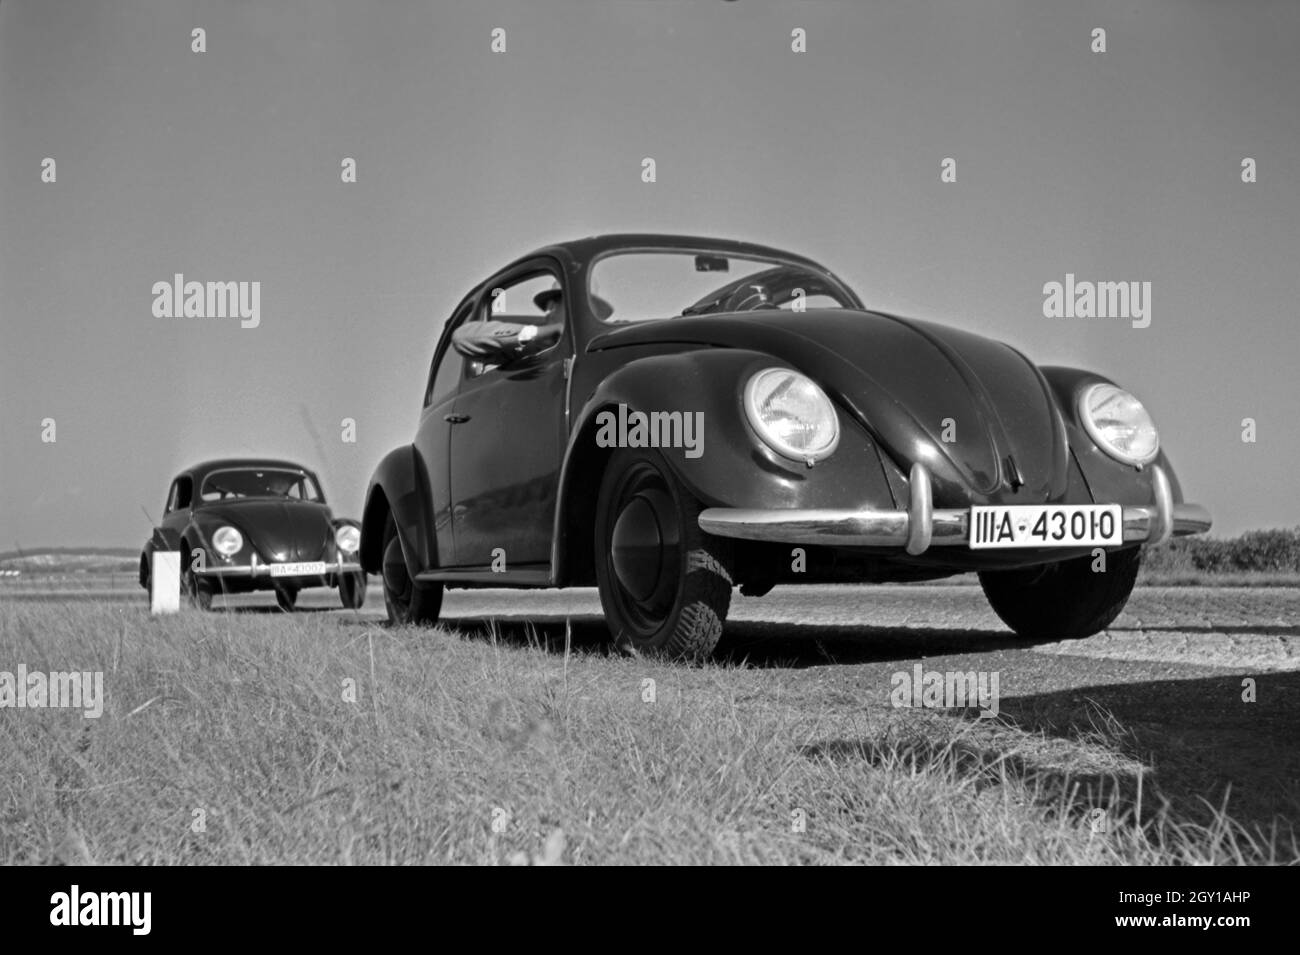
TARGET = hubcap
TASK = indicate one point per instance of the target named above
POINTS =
(397, 582)
(645, 548)
(637, 549)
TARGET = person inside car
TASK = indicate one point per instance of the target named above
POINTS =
(490, 341)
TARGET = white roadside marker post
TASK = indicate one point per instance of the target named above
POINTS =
(165, 582)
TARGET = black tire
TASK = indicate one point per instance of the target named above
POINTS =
(409, 602)
(286, 597)
(201, 596)
(1065, 600)
(352, 590)
(198, 592)
(664, 584)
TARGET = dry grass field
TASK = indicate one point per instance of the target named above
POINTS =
(513, 735)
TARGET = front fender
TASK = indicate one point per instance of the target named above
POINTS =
(162, 539)
(146, 563)
(195, 537)
(730, 466)
(1109, 481)
(398, 487)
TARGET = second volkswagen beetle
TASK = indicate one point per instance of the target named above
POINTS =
(246, 524)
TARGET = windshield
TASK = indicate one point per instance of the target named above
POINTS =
(259, 482)
(642, 286)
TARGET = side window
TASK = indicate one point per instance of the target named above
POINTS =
(179, 499)
(530, 299)
(446, 376)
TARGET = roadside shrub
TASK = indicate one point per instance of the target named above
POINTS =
(1270, 551)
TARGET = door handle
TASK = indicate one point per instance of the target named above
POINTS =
(456, 418)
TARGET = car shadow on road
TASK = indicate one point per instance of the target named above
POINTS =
(1197, 741)
(1192, 746)
(272, 609)
(1203, 742)
(1254, 630)
(757, 644)
(763, 644)
(584, 634)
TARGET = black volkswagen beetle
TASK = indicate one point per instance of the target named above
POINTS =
(245, 524)
(667, 417)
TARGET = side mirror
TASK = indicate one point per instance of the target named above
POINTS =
(502, 342)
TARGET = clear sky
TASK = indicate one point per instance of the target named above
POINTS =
(225, 165)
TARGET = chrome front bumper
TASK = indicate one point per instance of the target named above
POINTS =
(921, 527)
(257, 568)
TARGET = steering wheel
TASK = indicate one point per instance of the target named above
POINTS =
(748, 298)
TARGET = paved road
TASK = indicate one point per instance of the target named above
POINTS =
(1233, 627)
(1226, 627)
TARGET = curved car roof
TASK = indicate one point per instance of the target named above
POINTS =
(587, 248)
(204, 468)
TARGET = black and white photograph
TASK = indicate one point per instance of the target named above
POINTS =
(650, 433)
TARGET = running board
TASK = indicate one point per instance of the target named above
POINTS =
(534, 575)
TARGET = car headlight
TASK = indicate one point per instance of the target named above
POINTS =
(1119, 424)
(791, 414)
(348, 538)
(227, 541)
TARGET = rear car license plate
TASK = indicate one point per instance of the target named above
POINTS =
(1047, 525)
(312, 568)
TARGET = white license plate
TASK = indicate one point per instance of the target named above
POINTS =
(307, 568)
(1048, 525)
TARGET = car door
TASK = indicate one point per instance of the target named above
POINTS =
(433, 437)
(508, 432)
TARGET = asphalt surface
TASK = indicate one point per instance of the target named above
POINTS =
(1228, 627)
(1234, 628)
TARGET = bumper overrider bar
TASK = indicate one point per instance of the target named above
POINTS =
(258, 568)
(921, 527)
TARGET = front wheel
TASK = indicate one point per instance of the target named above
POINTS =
(197, 590)
(408, 601)
(1068, 600)
(664, 584)
(352, 590)
(286, 597)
